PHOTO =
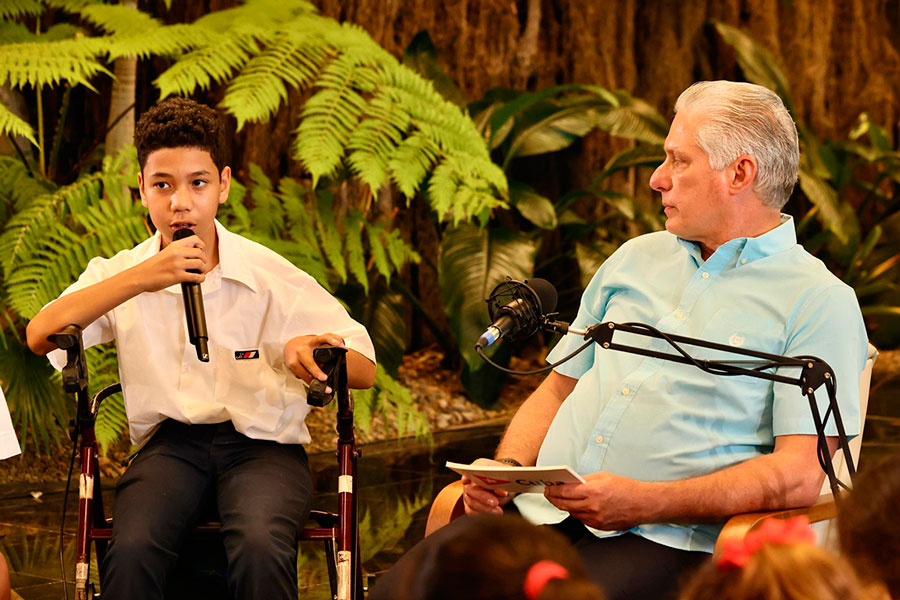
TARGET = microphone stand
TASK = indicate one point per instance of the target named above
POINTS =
(814, 372)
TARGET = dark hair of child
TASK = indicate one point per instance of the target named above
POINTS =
(180, 123)
(778, 571)
(501, 558)
(869, 524)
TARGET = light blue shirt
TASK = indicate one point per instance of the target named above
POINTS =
(654, 420)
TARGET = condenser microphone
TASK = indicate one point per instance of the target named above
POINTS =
(517, 309)
(193, 308)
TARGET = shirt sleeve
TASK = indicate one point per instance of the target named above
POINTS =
(101, 330)
(590, 312)
(9, 445)
(315, 311)
(829, 326)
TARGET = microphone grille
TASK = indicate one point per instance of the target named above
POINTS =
(546, 293)
(180, 234)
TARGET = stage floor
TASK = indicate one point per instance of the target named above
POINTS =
(397, 482)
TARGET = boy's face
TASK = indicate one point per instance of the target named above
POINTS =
(181, 187)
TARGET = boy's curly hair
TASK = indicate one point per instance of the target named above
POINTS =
(180, 123)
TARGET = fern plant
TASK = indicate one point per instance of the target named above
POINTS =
(366, 112)
(341, 253)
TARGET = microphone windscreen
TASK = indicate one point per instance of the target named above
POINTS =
(546, 293)
(180, 234)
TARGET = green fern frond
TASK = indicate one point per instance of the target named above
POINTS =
(18, 185)
(112, 423)
(330, 116)
(267, 215)
(264, 13)
(49, 63)
(14, 33)
(213, 62)
(356, 262)
(330, 238)
(375, 139)
(411, 161)
(171, 40)
(12, 9)
(31, 225)
(116, 19)
(294, 57)
(62, 256)
(389, 397)
(12, 125)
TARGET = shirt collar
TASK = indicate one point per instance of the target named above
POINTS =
(232, 262)
(781, 238)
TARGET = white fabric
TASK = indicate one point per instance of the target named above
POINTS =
(254, 300)
(9, 445)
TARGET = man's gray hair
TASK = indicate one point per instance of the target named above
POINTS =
(743, 118)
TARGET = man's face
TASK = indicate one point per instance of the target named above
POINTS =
(181, 187)
(694, 196)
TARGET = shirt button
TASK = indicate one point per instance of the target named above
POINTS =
(625, 391)
(679, 315)
(705, 276)
(743, 261)
(599, 439)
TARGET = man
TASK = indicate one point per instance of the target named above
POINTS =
(668, 451)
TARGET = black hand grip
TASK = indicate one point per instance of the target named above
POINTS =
(331, 360)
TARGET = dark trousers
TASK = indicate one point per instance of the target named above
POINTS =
(626, 567)
(262, 491)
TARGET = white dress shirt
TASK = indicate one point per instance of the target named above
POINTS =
(9, 445)
(254, 300)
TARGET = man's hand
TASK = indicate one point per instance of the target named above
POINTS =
(298, 355)
(170, 265)
(604, 501)
(477, 499)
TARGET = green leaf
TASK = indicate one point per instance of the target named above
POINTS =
(472, 261)
(534, 207)
(643, 155)
(757, 63)
(826, 199)
(420, 56)
(36, 402)
(12, 125)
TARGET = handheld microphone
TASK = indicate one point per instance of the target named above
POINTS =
(193, 308)
(517, 309)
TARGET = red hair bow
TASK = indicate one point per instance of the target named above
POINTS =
(737, 553)
(539, 574)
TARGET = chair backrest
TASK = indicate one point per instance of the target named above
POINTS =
(840, 466)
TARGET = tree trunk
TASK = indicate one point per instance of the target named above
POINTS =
(120, 123)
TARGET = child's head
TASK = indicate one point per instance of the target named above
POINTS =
(777, 562)
(183, 176)
(501, 558)
(180, 123)
(868, 524)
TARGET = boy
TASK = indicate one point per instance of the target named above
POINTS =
(229, 429)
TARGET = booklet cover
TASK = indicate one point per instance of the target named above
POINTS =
(516, 479)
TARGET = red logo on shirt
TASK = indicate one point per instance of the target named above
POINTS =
(245, 354)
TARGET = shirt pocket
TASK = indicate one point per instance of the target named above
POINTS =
(249, 384)
(742, 331)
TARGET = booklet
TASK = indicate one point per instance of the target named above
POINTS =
(516, 479)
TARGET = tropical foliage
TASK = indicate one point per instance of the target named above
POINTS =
(366, 117)
(852, 193)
